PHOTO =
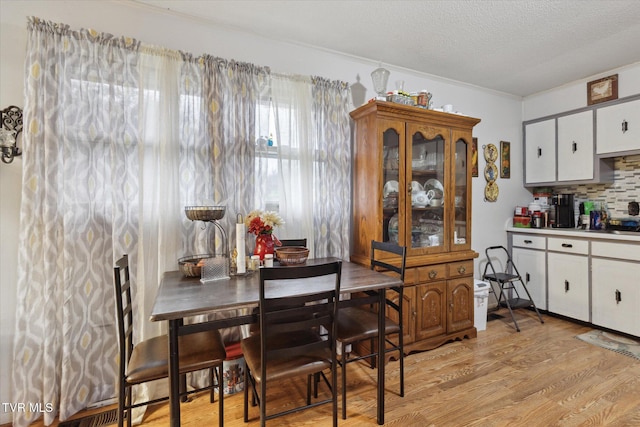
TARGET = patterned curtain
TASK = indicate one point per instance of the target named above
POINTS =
(332, 175)
(79, 195)
(119, 137)
(313, 179)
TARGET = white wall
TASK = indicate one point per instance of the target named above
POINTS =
(574, 95)
(501, 114)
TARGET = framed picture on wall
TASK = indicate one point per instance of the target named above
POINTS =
(505, 159)
(601, 90)
(474, 157)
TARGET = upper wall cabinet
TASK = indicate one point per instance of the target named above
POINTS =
(540, 152)
(575, 146)
(559, 150)
(618, 128)
(562, 150)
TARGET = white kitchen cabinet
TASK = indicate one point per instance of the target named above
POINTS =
(540, 152)
(616, 295)
(568, 268)
(529, 256)
(618, 128)
(615, 268)
(575, 147)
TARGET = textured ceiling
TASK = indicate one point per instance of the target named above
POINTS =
(519, 47)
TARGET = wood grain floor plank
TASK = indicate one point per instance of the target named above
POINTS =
(542, 376)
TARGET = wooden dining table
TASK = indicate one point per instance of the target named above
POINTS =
(180, 298)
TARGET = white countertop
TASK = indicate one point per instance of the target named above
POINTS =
(573, 232)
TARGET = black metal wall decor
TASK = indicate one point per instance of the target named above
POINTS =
(11, 126)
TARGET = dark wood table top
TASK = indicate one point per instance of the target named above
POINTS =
(179, 297)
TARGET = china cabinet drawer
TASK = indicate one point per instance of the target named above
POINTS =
(459, 269)
(528, 241)
(430, 273)
(570, 246)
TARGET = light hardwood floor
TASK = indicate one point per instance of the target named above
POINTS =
(542, 376)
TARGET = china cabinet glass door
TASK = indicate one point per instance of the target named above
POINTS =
(461, 184)
(391, 189)
(426, 179)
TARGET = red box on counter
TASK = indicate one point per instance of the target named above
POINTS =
(522, 221)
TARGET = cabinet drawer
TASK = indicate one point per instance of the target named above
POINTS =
(570, 246)
(616, 250)
(528, 241)
(429, 273)
(459, 269)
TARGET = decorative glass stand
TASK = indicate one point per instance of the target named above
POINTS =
(217, 266)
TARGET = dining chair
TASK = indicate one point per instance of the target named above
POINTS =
(358, 322)
(298, 308)
(254, 327)
(148, 360)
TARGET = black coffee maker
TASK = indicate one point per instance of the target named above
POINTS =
(563, 211)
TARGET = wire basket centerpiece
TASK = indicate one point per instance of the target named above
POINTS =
(213, 267)
(205, 213)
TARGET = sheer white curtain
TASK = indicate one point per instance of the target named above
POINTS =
(307, 173)
(291, 103)
(119, 137)
(119, 140)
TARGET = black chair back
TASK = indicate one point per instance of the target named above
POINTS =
(124, 312)
(294, 242)
(297, 315)
(298, 311)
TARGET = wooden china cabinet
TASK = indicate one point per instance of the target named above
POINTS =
(412, 186)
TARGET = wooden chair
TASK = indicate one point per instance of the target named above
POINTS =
(148, 360)
(291, 343)
(358, 322)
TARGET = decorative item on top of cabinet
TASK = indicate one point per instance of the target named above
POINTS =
(401, 151)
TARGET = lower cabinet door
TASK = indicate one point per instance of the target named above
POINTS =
(431, 314)
(569, 285)
(616, 295)
(460, 301)
(532, 267)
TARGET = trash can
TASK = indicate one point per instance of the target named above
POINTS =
(233, 369)
(481, 294)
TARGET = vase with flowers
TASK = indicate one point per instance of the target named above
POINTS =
(262, 224)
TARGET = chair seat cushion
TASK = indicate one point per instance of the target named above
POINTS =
(285, 367)
(356, 324)
(150, 358)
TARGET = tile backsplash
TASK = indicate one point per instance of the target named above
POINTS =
(617, 195)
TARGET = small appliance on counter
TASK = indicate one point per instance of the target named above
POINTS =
(562, 209)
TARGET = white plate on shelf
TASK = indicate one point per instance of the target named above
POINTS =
(390, 187)
(416, 186)
(435, 185)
